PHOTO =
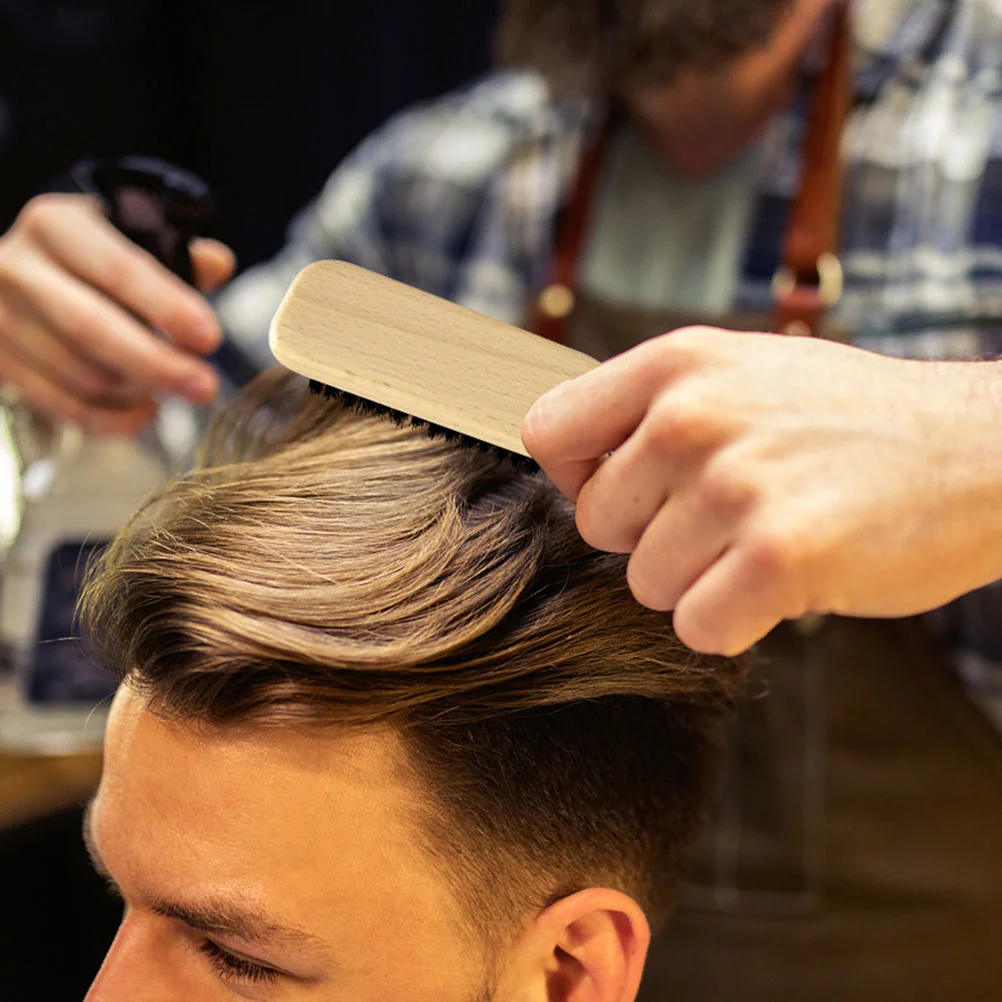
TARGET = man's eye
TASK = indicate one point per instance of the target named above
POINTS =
(229, 965)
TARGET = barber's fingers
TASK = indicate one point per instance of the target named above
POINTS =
(33, 342)
(72, 231)
(739, 598)
(48, 397)
(568, 430)
(93, 324)
(671, 447)
(683, 540)
(212, 262)
(617, 502)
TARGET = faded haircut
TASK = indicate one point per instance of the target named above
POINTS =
(328, 570)
(602, 46)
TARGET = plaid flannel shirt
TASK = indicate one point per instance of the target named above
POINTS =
(458, 197)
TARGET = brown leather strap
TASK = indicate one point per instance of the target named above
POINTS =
(555, 302)
(809, 280)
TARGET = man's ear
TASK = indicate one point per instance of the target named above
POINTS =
(587, 947)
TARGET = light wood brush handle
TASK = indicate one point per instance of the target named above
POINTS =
(404, 349)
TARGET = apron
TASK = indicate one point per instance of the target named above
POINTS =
(855, 851)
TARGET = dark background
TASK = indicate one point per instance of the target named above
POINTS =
(262, 98)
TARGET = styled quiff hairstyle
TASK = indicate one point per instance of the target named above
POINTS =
(325, 569)
(601, 46)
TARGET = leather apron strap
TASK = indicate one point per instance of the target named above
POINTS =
(556, 302)
(809, 281)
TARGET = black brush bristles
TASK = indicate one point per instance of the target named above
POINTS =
(370, 408)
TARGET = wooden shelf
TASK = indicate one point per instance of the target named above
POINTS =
(33, 785)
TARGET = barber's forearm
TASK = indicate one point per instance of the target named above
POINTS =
(756, 478)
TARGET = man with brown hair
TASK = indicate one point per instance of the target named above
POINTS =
(388, 728)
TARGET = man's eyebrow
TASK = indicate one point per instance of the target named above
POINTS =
(221, 919)
(225, 919)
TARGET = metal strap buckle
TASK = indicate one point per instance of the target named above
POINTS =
(830, 280)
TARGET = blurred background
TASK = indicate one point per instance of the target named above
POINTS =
(262, 99)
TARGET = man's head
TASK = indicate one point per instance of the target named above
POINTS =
(388, 727)
(701, 78)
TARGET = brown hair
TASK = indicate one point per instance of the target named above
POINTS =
(599, 46)
(328, 569)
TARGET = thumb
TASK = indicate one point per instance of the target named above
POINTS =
(212, 262)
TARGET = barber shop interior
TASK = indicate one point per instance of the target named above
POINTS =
(492, 506)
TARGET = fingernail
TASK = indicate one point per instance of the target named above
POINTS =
(535, 418)
(546, 404)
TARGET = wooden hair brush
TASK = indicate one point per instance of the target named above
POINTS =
(388, 349)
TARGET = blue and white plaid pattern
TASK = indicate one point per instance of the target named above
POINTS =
(458, 197)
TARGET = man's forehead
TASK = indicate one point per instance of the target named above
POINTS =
(238, 916)
(253, 801)
(315, 828)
